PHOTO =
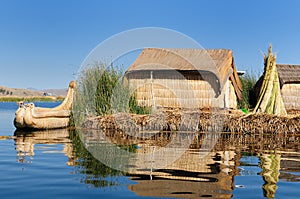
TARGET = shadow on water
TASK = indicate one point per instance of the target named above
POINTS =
(213, 175)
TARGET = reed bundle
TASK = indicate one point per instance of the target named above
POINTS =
(270, 100)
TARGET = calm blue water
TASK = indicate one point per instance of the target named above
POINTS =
(42, 165)
(55, 164)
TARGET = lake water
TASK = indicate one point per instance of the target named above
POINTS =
(62, 164)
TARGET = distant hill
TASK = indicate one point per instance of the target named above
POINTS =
(19, 92)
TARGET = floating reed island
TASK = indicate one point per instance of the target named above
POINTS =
(194, 90)
(175, 120)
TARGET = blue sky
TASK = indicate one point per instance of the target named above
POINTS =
(44, 42)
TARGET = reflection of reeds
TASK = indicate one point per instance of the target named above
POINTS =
(95, 172)
(270, 164)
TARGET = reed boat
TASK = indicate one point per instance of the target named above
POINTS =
(28, 116)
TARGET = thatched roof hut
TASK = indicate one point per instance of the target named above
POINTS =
(185, 78)
(289, 78)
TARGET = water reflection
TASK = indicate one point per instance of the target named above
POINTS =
(189, 177)
(94, 171)
(193, 173)
(214, 175)
(25, 142)
(290, 166)
(90, 169)
(270, 164)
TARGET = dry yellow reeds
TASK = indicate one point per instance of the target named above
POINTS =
(270, 100)
(203, 121)
(181, 93)
(291, 96)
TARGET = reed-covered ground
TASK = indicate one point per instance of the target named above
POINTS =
(203, 122)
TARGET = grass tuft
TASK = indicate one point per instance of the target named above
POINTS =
(248, 98)
(102, 91)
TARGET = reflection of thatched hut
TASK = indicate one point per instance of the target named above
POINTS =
(185, 78)
(188, 177)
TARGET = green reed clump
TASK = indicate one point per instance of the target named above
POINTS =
(135, 108)
(102, 91)
(95, 85)
(105, 89)
(248, 83)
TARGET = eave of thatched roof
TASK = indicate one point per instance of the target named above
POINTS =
(218, 62)
(288, 73)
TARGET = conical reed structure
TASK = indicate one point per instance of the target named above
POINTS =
(270, 100)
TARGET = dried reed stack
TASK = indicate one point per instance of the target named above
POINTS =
(262, 123)
(172, 121)
(270, 100)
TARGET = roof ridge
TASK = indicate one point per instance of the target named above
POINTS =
(225, 49)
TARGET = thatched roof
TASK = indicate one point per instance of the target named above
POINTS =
(288, 73)
(218, 62)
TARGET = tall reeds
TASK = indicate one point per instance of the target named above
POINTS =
(103, 91)
(248, 95)
(106, 84)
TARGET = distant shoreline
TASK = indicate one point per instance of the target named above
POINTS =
(31, 98)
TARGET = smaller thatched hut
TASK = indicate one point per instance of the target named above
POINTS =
(185, 78)
(289, 78)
